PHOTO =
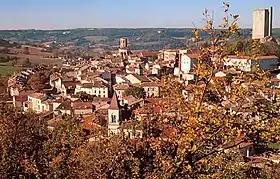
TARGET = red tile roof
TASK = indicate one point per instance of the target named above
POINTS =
(37, 95)
(82, 105)
(193, 55)
(21, 98)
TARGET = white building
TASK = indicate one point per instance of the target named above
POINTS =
(247, 63)
(38, 103)
(187, 63)
(97, 89)
(262, 23)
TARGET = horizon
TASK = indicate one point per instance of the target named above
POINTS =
(122, 14)
(137, 28)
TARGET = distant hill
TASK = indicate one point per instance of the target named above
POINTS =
(108, 38)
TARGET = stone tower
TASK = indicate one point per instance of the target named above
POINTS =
(124, 50)
(262, 23)
(114, 115)
(123, 43)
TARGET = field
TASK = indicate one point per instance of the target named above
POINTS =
(7, 69)
(35, 56)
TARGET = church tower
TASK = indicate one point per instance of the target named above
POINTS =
(114, 115)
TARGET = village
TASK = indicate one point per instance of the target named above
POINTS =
(114, 92)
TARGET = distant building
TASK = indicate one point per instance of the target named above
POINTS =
(262, 23)
(123, 50)
(123, 43)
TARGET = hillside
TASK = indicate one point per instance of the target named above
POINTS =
(107, 38)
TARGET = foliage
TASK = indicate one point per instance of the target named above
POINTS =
(246, 47)
(62, 146)
(135, 91)
(22, 137)
(39, 80)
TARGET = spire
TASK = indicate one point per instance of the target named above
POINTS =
(114, 103)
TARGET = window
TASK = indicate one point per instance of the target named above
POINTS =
(113, 118)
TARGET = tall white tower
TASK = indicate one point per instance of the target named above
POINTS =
(262, 23)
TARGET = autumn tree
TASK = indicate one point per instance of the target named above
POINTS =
(135, 91)
(22, 138)
(39, 80)
(65, 140)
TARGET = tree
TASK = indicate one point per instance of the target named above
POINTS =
(39, 80)
(21, 144)
(62, 147)
(135, 91)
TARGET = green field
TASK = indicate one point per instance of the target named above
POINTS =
(6, 69)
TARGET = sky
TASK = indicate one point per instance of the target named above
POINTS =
(65, 14)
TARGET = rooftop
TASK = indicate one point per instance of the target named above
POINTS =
(114, 103)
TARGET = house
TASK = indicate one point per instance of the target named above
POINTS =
(187, 63)
(137, 79)
(246, 63)
(246, 148)
(151, 89)
(131, 101)
(56, 81)
(120, 89)
(156, 69)
(83, 69)
(47, 106)
(64, 108)
(89, 124)
(98, 88)
(101, 103)
(132, 129)
(149, 54)
(58, 101)
(120, 79)
(68, 87)
(80, 108)
(35, 103)
(169, 55)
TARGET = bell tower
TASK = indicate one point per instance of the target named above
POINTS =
(114, 115)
